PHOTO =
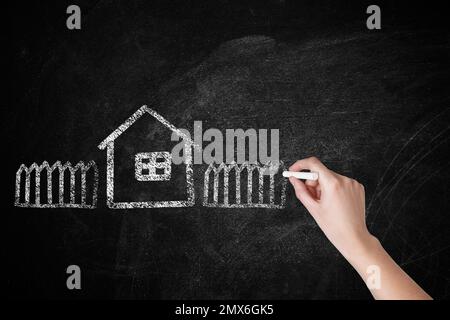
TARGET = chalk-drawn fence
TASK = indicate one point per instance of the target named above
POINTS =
(269, 169)
(35, 170)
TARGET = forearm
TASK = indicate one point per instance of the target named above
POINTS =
(394, 283)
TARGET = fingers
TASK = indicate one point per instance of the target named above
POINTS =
(312, 164)
(303, 194)
(312, 183)
(314, 191)
(314, 188)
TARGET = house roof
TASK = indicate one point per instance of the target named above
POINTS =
(133, 118)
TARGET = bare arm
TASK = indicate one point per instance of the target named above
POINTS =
(337, 204)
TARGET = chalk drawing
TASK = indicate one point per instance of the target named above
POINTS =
(108, 143)
(37, 169)
(152, 162)
(270, 169)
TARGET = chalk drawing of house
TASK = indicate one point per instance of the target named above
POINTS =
(149, 166)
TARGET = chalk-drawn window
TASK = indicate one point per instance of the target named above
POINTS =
(153, 166)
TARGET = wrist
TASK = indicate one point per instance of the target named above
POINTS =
(362, 249)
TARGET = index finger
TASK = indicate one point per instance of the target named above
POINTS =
(312, 164)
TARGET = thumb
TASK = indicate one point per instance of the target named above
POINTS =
(302, 193)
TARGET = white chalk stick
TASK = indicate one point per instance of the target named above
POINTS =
(301, 175)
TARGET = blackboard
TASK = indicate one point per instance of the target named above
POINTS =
(372, 105)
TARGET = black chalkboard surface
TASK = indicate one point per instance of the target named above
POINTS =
(371, 104)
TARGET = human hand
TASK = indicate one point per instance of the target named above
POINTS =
(337, 204)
